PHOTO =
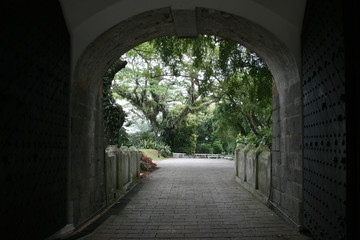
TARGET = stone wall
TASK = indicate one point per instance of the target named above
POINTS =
(252, 169)
(286, 196)
(34, 119)
(122, 166)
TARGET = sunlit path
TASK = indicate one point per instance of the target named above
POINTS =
(195, 198)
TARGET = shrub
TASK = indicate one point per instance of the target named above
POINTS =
(147, 144)
(217, 146)
(205, 148)
(164, 149)
(146, 163)
(264, 138)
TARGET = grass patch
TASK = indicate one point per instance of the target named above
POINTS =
(152, 153)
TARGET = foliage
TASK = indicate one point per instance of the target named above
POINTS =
(164, 149)
(218, 147)
(144, 132)
(172, 80)
(184, 138)
(204, 127)
(147, 144)
(227, 123)
(205, 148)
(150, 86)
(231, 72)
(264, 138)
(146, 163)
(123, 139)
(207, 140)
(113, 114)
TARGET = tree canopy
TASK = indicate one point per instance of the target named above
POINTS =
(230, 71)
(169, 79)
(163, 97)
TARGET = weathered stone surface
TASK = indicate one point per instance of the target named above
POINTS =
(111, 172)
(185, 22)
(238, 148)
(251, 166)
(254, 169)
(134, 162)
(242, 162)
(263, 173)
(122, 165)
(124, 176)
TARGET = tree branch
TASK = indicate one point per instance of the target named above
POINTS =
(269, 119)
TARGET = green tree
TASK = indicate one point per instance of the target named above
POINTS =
(153, 89)
(204, 130)
(227, 123)
(191, 74)
(183, 138)
(113, 114)
(231, 73)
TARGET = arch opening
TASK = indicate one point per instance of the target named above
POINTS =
(86, 137)
(173, 85)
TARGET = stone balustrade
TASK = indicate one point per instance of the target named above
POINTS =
(252, 169)
(122, 166)
(200, 155)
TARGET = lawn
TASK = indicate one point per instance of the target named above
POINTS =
(152, 153)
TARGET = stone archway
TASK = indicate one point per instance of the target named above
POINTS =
(86, 194)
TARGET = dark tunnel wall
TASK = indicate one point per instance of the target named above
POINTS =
(352, 63)
(34, 96)
(324, 120)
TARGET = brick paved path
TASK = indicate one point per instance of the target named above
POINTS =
(192, 199)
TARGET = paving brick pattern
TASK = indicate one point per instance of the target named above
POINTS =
(195, 199)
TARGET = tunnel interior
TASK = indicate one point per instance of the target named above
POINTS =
(100, 55)
(52, 155)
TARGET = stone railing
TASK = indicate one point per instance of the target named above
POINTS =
(179, 155)
(200, 155)
(122, 166)
(252, 169)
(204, 155)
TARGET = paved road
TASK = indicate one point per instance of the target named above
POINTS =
(194, 199)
